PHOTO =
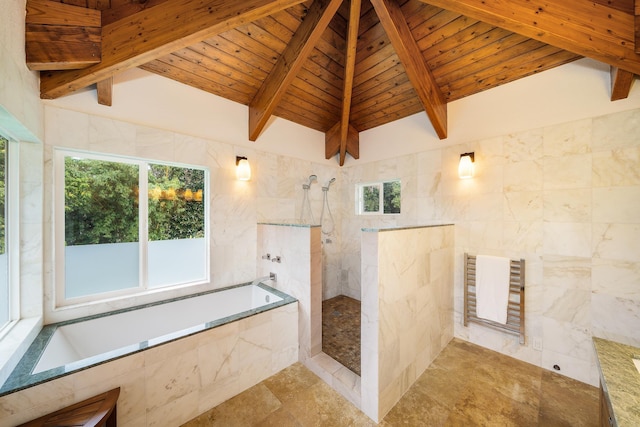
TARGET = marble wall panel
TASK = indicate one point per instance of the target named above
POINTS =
(299, 274)
(614, 131)
(407, 311)
(571, 171)
(570, 209)
(617, 167)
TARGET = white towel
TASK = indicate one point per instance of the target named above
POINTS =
(492, 287)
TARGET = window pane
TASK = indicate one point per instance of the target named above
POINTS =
(5, 315)
(101, 226)
(177, 249)
(371, 198)
(391, 191)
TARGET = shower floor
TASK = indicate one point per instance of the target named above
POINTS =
(341, 331)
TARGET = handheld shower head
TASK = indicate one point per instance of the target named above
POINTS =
(326, 187)
(312, 179)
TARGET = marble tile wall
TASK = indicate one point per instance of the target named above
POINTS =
(274, 194)
(172, 383)
(299, 274)
(407, 309)
(565, 198)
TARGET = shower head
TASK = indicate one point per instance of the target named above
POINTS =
(312, 179)
(326, 187)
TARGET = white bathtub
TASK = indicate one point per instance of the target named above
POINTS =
(193, 370)
(77, 344)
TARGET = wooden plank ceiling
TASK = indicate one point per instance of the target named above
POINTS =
(340, 67)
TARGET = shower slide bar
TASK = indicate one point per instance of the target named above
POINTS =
(515, 309)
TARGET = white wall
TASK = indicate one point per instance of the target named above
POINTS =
(20, 107)
(144, 98)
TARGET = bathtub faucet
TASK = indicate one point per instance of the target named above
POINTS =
(271, 276)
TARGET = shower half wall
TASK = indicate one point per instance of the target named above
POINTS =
(407, 305)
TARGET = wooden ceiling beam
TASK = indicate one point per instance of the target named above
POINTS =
(289, 63)
(636, 27)
(349, 137)
(121, 11)
(155, 32)
(621, 82)
(395, 24)
(60, 36)
(105, 92)
(587, 28)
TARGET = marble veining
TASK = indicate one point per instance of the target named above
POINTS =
(620, 379)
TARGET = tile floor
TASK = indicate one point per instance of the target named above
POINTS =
(341, 331)
(466, 385)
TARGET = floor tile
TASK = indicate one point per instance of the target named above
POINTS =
(341, 331)
(466, 385)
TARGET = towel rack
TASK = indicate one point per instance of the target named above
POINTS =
(515, 309)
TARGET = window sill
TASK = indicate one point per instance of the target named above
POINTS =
(15, 343)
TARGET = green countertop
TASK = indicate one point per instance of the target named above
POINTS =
(620, 380)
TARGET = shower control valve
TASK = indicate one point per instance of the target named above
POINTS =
(267, 257)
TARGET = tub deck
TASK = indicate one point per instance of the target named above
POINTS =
(33, 369)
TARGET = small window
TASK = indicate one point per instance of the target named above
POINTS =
(129, 226)
(379, 198)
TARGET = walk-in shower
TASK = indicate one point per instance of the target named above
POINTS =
(306, 203)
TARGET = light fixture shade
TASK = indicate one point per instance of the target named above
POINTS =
(243, 169)
(465, 167)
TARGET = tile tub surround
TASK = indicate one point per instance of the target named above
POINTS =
(174, 382)
(407, 309)
(299, 274)
(23, 376)
(620, 380)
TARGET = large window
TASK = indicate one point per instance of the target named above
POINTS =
(378, 198)
(128, 226)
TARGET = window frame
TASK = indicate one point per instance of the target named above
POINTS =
(143, 287)
(12, 234)
(360, 197)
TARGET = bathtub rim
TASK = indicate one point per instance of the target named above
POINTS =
(21, 377)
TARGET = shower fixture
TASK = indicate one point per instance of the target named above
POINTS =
(312, 179)
(331, 181)
(324, 227)
(306, 203)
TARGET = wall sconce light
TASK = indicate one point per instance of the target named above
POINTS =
(243, 169)
(465, 167)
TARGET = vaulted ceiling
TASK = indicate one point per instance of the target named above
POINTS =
(338, 66)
